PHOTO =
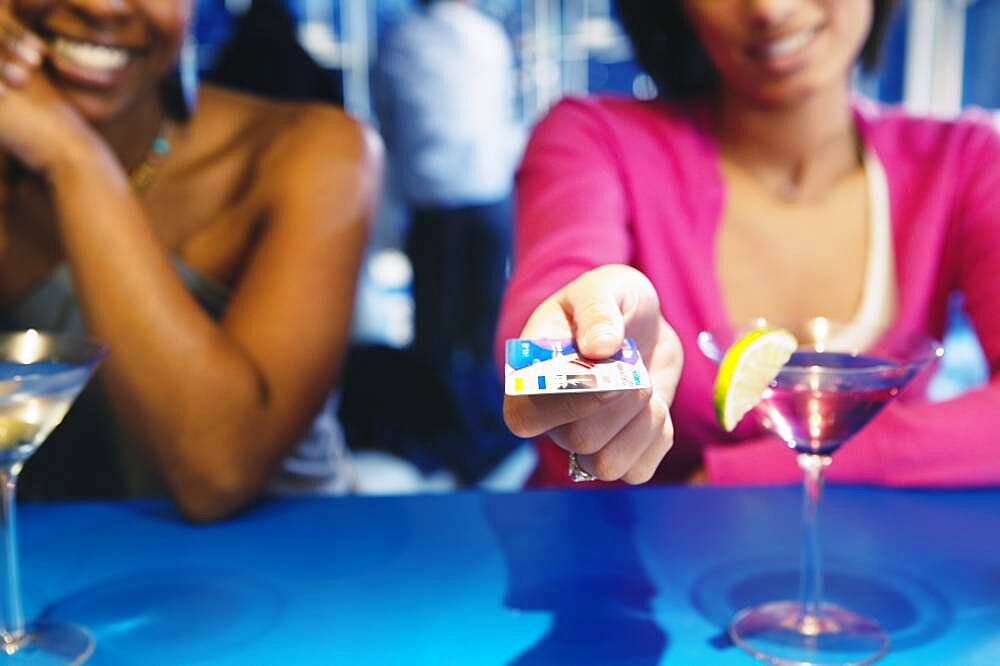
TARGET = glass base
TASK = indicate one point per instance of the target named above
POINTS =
(779, 633)
(47, 643)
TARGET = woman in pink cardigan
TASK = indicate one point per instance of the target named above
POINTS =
(755, 185)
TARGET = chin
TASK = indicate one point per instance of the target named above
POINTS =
(783, 98)
(790, 92)
(97, 108)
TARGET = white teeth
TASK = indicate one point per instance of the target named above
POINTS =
(788, 45)
(93, 56)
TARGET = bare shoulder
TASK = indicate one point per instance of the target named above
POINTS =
(291, 145)
(320, 142)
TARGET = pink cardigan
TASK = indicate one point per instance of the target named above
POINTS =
(608, 180)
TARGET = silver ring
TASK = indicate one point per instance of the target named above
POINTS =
(577, 473)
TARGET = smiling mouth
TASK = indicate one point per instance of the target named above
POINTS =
(785, 46)
(91, 56)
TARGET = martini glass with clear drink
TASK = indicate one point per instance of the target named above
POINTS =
(840, 377)
(40, 376)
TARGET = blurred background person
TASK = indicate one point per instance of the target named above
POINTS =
(755, 184)
(444, 96)
(211, 239)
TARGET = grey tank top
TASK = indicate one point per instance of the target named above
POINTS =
(320, 462)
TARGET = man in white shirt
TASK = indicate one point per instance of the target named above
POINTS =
(445, 104)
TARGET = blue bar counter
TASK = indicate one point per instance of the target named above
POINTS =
(585, 577)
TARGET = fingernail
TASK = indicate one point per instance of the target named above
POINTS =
(600, 333)
(15, 73)
(30, 54)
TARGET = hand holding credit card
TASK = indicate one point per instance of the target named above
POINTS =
(595, 369)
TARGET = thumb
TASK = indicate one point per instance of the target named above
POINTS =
(608, 303)
(593, 305)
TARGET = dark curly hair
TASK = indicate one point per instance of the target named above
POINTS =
(667, 47)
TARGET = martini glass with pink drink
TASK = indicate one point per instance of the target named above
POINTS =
(836, 381)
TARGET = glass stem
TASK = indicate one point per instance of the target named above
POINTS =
(13, 616)
(811, 581)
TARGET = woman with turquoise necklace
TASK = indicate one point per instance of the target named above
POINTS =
(214, 248)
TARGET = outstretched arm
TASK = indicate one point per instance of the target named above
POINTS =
(570, 281)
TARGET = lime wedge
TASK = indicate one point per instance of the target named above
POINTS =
(747, 368)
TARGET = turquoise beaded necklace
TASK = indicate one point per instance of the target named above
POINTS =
(142, 176)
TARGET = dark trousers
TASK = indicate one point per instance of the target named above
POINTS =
(459, 258)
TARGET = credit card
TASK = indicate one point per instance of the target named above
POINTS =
(542, 366)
